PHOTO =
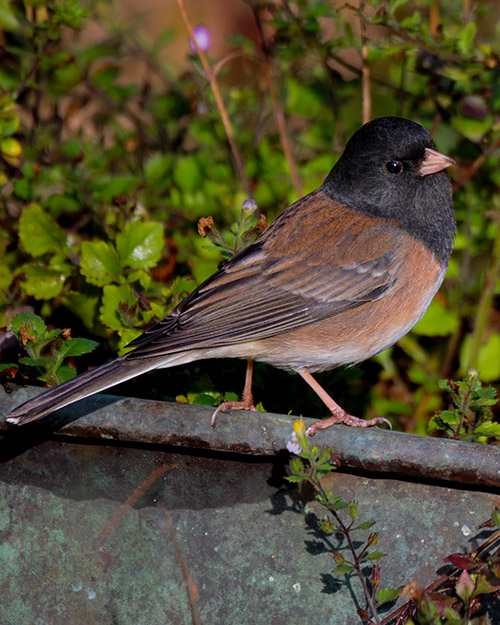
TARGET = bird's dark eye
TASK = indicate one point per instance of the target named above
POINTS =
(394, 167)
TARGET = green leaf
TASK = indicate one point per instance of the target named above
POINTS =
(366, 525)
(65, 373)
(117, 186)
(157, 170)
(449, 416)
(495, 517)
(99, 263)
(385, 595)
(33, 324)
(112, 300)
(39, 232)
(445, 385)
(295, 478)
(489, 357)
(434, 425)
(353, 510)
(8, 19)
(140, 244)
(437, 321)
(187, 173)
(41, 361)
(303, 99)
(472, 128)
(466, 41)
(6, 277)
(342, 569)
(78, 346)
(488, 428)
(84, 306)
(374, 555)
(339, 505)
(42, 282)
(203, 399)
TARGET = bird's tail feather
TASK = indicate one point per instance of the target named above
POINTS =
(86, 384)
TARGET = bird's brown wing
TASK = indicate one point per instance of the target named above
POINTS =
(315, 261)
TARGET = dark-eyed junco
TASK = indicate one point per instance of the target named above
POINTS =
(339, 276)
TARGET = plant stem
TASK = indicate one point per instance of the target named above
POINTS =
(212, 79)
(277, 108)
(355, 558)
(365, 68)
(475, 165)
(485, 303)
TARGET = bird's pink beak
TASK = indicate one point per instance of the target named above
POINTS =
(433, 162)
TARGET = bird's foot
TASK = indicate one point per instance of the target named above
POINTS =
(246, 403)
(341, 416)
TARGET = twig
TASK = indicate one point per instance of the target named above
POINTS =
(132, 500)
(191, 588)
(365, 68)
(283, 132)
(475, 165)
(485, 303)
(277, 108)
(234, 54)
(212, 79)
(21, 86)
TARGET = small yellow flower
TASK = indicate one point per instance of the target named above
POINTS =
(299, 427)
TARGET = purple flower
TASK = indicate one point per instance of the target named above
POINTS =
(203, 37)
(293, 445)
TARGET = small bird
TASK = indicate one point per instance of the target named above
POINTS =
(339, 276)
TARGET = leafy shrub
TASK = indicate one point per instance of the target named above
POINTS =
(104, 178)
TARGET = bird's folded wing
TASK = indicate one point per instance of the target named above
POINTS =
(271, 287)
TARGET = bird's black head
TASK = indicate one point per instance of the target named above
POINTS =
(381, 173)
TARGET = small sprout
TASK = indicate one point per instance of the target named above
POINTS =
(353, 510)
(375, 578)
(470, 417)
(327, 526)
(464, 587)
(373, 539)
(338, 558)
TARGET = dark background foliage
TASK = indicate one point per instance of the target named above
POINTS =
(113, 147)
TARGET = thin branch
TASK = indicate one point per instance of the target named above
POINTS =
(277, 108)
(132, 500)
(355, 558)
(485, 303)
(234, 54)
(475, 165)
(283, 131)
(191, 588)
(218, 99)
(365, 68)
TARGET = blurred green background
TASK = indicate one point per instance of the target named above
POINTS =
(112, 148)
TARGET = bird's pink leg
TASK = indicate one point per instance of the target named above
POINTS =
(246, 402)
(339, 415)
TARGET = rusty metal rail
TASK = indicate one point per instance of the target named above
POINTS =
(109, 418)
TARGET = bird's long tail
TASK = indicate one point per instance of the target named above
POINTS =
(86, 384)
